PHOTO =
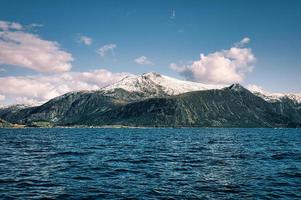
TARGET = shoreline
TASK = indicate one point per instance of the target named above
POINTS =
(142, 127)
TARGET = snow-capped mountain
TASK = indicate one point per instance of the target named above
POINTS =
(156, 84)
(153, 84)
(148, 85)
(130, 102)
(274, 97)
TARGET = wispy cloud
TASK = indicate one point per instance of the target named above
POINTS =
(5, 26)
(242, 42)
(35, 25)
(143, 60)
(24, 49)
(173, 14)
(102, 51)
(221, 67)
(85, 40)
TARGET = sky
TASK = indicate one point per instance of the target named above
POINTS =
(51, 47)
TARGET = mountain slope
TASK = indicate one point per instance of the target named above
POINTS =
(229, 107)
(73, 106)
(70, 107)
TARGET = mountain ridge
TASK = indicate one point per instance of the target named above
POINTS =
(158, 84)
(156, 100)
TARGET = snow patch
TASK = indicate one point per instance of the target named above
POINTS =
(159, 83)
(274, 97)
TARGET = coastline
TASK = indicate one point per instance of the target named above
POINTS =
(139, 127)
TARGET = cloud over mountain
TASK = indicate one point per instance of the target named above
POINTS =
(40, 88)
(220, 67)
(24, 49)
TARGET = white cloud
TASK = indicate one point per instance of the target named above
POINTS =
(26, 101)
(143, 60)
(2, 97)
(221, 67)
(85, 40)
(40, 88)
(102, 51)
(243, 42)
(5, 26)
(24, 49)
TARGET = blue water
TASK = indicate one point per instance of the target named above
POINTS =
(150, 163)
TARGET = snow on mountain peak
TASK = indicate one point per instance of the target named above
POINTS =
(237, 87)
(153, 84)
(156, 84)
(274, 97)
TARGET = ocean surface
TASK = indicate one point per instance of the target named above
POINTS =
(156, 163)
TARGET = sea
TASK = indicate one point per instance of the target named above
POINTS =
(150, 163)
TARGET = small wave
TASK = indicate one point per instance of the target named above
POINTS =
(290, 174)
(281, 156)
(124, 170)
(240, 156)
(7, 181)
(82, 178)
(141, 161)
(71, 153)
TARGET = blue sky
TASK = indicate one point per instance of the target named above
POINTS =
(167, 32)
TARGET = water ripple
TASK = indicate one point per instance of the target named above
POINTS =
(150, 163)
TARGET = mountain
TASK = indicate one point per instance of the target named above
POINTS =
(157, 85)
(68, 108)
(155, 100)
(233, 106)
